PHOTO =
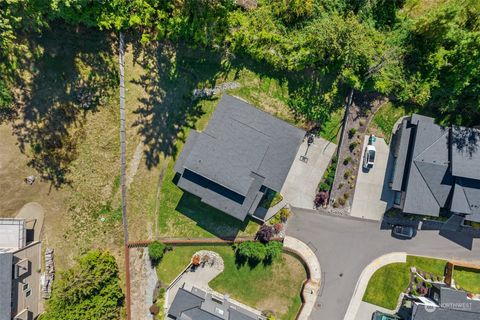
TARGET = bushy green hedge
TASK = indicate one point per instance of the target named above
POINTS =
(255, 252)
(156, 251)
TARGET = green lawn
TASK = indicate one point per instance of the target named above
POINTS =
(385, 118)
(331, 128)
(389, 281)
(275, 287)
(467, 279)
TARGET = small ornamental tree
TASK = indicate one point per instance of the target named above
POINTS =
(252, 251)
(265, 233)
(274, 250)
(156, 250)
(196, 260)
(321, 198)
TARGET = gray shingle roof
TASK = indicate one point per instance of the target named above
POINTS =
(6, 261)
(241, 149)
(443, 169)
(466, 152)
(199, 305)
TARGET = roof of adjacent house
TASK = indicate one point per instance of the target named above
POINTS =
(6, 262)
(438, 167)
(12, 233)
(452, 305)
(241, 149)
(200, 305)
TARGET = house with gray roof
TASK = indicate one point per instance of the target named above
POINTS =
(445, 303)
(19, 279)
(437, 170)
(241, 154)
(196, 304)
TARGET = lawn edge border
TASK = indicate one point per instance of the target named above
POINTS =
(364, 279)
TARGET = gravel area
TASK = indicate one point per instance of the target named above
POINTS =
(143, 279)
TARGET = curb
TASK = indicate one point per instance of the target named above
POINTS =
(367, 273)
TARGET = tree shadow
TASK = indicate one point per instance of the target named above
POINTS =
(72, 75)
(169, 110)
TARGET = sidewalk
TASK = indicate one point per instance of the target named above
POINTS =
(312, 286)
(367, 273)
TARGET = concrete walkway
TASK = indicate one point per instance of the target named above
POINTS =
(372, 195)
(34, 215)
(301, 184)
(367, 273)
(312, 286)
(366, 310)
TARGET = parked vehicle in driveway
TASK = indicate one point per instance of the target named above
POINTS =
(377, 315)
(369, 157)
(406, 232)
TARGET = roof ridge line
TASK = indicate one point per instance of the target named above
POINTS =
(428, 186)
(427, 148)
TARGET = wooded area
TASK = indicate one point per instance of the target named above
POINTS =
(426, 58)
(424, 53)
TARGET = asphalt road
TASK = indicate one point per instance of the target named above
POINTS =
(345, 246)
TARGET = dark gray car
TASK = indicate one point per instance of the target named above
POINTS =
(405, 232)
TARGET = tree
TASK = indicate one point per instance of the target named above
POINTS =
(256, 252)
(90, 290)
(156, 250)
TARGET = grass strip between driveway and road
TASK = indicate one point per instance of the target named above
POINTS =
(388, 282)
(274, 287)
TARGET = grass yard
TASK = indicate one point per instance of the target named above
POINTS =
(388, 282)
(275, 287)
(331, 128)
(467, 279)
(384, 120)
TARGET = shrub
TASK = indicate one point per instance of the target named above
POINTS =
(323, 187)
(154, 309)
(252, 250)
(347, 160)
(361, 122)
(340, 185)
(341, 201)
(352, 146)
(256, 252)
(265, 233)
(351, 132)
(284, 214)
(156, 250)
(321, 198)
(278, 227)
(347, 174)
(274, 250)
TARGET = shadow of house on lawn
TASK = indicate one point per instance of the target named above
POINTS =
(169, 110)
(210, 219)
(73, 72)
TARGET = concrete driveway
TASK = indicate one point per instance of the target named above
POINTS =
(301, 184)
(372, 195)
(345, 246)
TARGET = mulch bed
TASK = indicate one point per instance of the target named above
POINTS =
(351, 147)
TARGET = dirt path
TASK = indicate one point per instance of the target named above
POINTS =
(143, 279)
(134, 163)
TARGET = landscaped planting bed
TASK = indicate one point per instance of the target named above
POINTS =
(267, 287)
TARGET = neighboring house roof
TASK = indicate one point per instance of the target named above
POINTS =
(6, 262)
(241, 149)
(200, 305)
(13, 233)
(452, 305)
(438, 168)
